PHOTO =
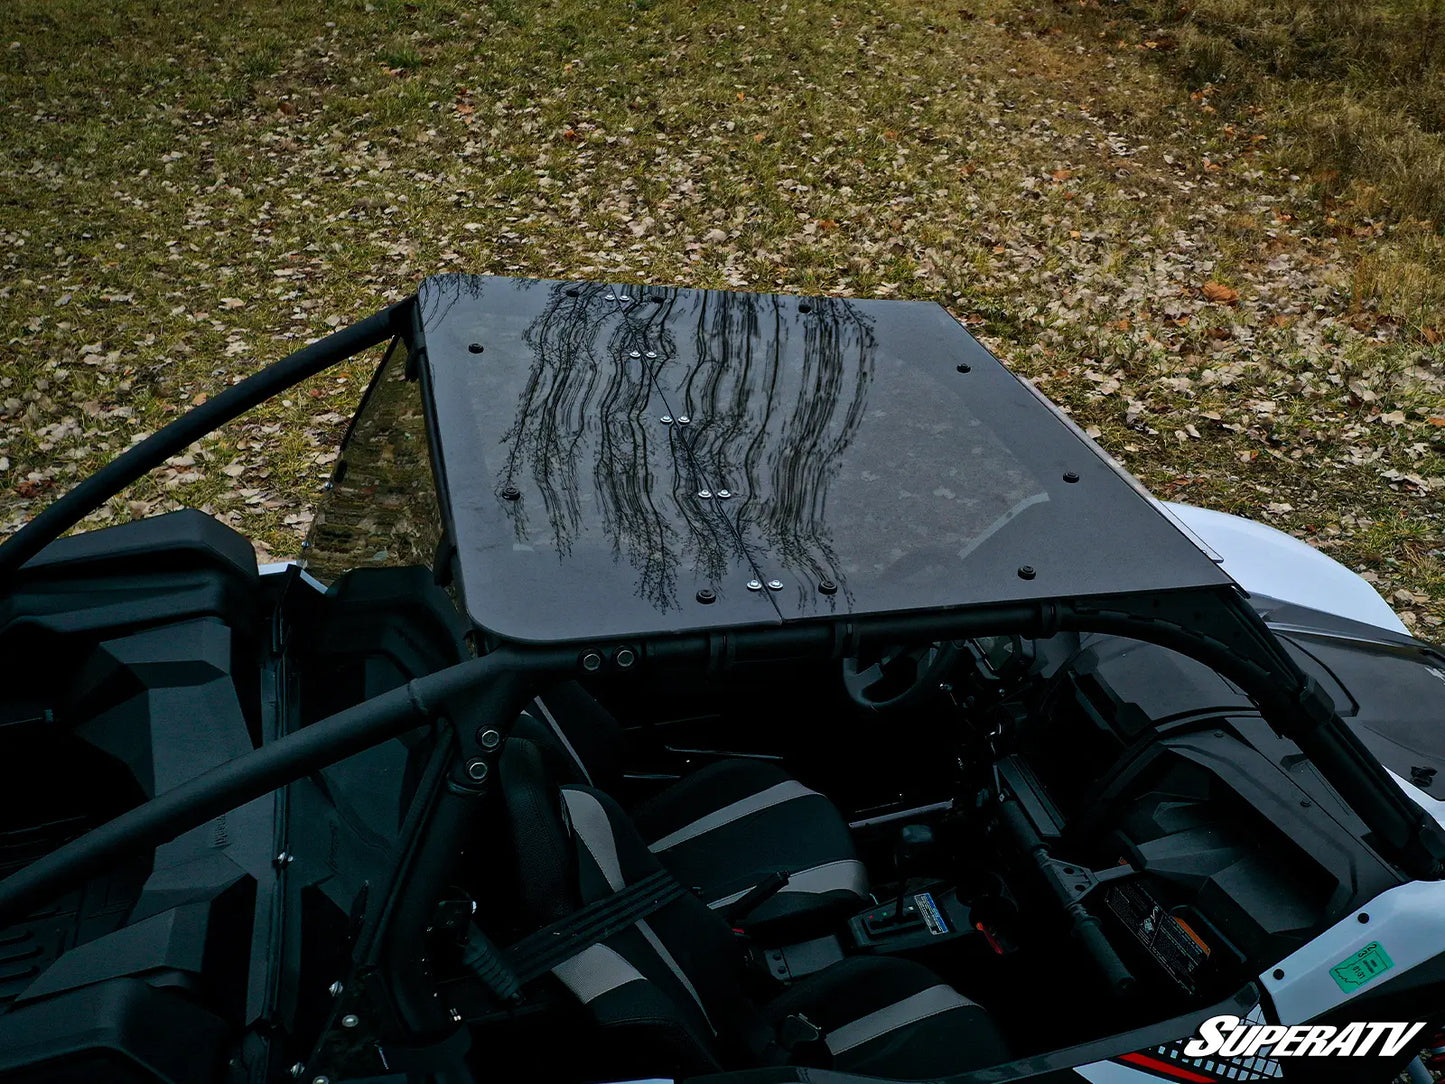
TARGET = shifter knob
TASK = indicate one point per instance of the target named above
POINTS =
(915, 850)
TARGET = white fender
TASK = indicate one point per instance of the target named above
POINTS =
(1266, 561)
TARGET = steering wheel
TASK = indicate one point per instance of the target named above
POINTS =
(900, 676)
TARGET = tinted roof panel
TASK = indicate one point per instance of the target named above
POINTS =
(852, 450)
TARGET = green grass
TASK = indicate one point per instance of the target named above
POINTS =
(1354, 91)
(189, 191)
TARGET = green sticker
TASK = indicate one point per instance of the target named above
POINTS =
(1354, 971)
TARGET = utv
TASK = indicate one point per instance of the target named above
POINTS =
(683, 684)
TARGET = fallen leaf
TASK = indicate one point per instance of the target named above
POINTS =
(1219, 293)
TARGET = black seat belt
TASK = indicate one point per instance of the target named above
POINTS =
(756, 896)
(536, 954)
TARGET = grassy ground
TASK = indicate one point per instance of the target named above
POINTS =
(1355, 90)
(1360, 79)
(190, 190)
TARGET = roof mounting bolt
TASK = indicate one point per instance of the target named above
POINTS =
(705, 494)
(828, 587)
(477, 769)
(965, 368)
(282, 860)
(1026, 572)
(609, 297)
(635, 354)
(775, 585)
(350, 1020)
(755, 585)
(724, 493)
(511, 493)
(489, 738)
(1071, 476)
(321, 1080)
(475, 348)
(623, 297)
(651, 354)
(624, 658)
(666, 419)
(335, 988)
(592, 662)
(706, 597)
(683, 419)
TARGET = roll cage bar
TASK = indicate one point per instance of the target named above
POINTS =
(476, 700)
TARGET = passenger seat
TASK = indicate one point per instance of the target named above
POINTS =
(720, 830)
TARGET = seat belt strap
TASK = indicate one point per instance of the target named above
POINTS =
(756, 896)
(537, 953)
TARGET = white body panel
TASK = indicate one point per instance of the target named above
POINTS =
(1409, 924)
(1111, 1072)
(1269, 562)
(1433, 806)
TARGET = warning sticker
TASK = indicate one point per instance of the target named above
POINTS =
(1171, 941)
(932, 916)
(1354, 971)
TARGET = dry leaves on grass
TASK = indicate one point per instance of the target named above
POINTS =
(256, 174)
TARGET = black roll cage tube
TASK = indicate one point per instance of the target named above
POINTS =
(1215, 626)
(227, 405)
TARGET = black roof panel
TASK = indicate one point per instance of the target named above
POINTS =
(871, 445)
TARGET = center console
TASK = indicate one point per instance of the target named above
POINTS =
(926, 917)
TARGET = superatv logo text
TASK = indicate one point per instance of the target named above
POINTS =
(1229, 1037)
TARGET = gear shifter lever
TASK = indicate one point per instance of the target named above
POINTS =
(911, 857)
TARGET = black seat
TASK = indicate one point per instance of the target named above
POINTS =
(666, 995)
(721, 829)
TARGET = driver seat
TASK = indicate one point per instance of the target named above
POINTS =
(672, 994)
(720, 830)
